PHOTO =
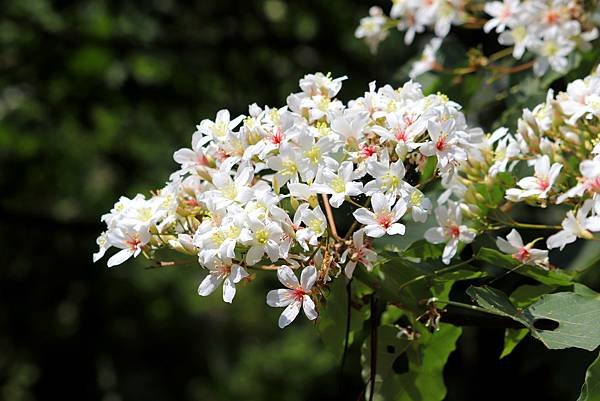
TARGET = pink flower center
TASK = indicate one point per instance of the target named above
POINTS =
(593, 185)
(277, 137)
(552, 17)
(441, 143)
(201, 160)
(298, 294)
(505, 14)
(522, 254)
(368, 150)
(222, 155)
(543, 184)
(133, 243)
(454, 230)
(401, 135)
(384, 220)
(191, 202)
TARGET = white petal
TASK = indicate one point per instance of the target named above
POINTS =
(364, 216)
(228, 290)
(435, 235)
(280, 297)
(287, 277)
(209, 284)
(374, 231)
(309, 308)
(254, 255)
(289, 314)
(396, 228)
(515, 239)
(505, 246)
(308, 277)
(237, 273)
(119, 257)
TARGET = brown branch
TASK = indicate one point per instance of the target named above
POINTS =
(330, 219)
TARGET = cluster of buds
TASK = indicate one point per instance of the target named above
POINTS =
(549, 29)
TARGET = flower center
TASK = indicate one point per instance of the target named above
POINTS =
(368, 150)
(289, 168)
(454, 231)
(298, 294)
(441, 143)
(133, 243)
(262, 236)
(384, 220)
(543, 184)
(522, 254)
(277, 137)
(338, 185)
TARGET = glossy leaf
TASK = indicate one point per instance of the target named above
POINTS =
(591, 388)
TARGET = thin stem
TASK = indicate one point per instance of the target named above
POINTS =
(330, 218)
(347, 333)
(471, 307)
(374, 325)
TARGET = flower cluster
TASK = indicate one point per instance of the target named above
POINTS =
(556, 150)
(257, 191)
(549, 29)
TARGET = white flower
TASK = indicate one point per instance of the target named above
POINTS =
(338, 185)
(552, 52)
(503, 13)
(264, 237)
(519, 37)
(526, 254)
(388, 177)
(383, 219)
(221, 127)
(427, 62)
(316, 225)
(574, 226)
(540, 184)
(225, 272)
(444, 144)
(590, 181)
(230, 190)
(358, 252)
(451, 230)
(295, 296)
(371, 28)
(103, 245)
(420, 206)
(129, 241)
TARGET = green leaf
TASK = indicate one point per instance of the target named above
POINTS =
(525, 295)
(512, 338)
(591, 387)
(427, 356)
(560, 320)
(577, 317)
(501, 260)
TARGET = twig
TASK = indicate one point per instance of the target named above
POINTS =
(330, 219)
(374, 325)
(347, 336)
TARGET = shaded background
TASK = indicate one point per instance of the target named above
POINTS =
(95, 96)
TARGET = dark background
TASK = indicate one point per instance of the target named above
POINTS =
(94, 98)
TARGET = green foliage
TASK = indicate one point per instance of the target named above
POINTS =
(559, 320)
(426, 356)
(591, 388)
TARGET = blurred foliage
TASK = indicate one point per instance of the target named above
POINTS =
(95, 95)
